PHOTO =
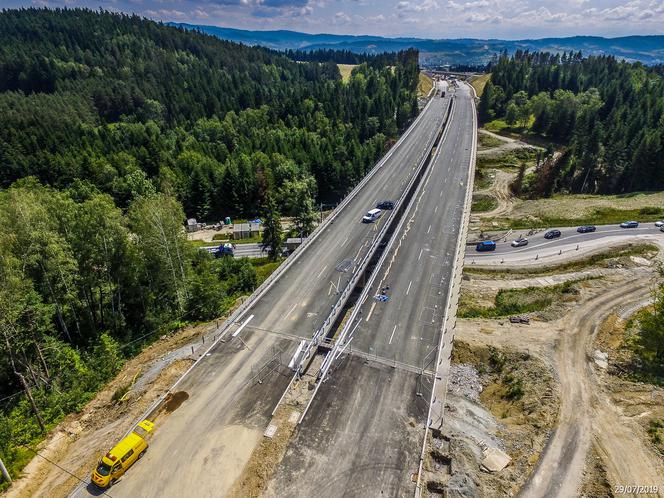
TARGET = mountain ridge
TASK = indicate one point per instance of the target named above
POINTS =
(648, 49)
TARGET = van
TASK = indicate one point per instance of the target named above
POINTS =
(486, 245)
(372, 216)
(123, 455)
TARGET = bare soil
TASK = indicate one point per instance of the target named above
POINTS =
(518, 426)
(79, 440)
(601, 418)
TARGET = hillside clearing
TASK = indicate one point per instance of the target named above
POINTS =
(479, 82)
(345, 70)
(424, 85)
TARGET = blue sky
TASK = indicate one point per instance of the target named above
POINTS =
(510, 19)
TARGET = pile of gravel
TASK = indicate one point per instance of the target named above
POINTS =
(464, 381)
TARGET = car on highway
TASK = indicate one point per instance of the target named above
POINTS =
(586, 228)
(520, 242)
(485, 245)
(659, 223)
(385, 205)
(552, 234)
(123, 455)
(372, 216)
(629, 224)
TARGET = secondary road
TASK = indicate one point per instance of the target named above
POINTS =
(363, 433)
(547, 250)
(200, 448)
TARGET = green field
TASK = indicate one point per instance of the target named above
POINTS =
(424, 86)
(345, 70)
(479, 82)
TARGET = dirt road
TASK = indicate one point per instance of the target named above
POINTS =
(585, 412)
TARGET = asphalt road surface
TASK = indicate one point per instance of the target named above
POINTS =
(547, 249)
(363, 433)
(201, 447)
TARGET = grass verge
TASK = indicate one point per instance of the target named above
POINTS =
(424, 85)
(643, 250)
(483, 203)
(599, 216)
(479, 82)
(488, 141)
(517, 301)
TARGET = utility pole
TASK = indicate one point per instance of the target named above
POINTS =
(32, 402)
(3, 469)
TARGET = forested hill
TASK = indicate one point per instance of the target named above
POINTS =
(610, 114)
(109, 124)
(118, 100)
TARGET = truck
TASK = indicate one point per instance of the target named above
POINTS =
(123, 455)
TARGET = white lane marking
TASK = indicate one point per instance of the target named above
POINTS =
(435, 210)
(409, 284)
(392, 336)
(291, 310)
(344, 242)
(373, 305)
(429, 229)
(244, 324)
(418, 258)
(321, 272)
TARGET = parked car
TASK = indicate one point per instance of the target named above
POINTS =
(659, 223)
(486, 245)
(385, 205)
(519, 319)
(552, 234)
(520, 242)
(629, 224)
(586, 228)
(372, 216)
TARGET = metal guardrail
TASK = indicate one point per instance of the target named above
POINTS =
(341, 341)
(360, 268)
(454, 281)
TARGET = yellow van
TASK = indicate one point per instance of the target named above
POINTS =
(123, 455)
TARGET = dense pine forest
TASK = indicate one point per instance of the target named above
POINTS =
(114, 129)
(608, 115)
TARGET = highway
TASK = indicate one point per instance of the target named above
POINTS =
(200, 448)
(543, 251)
(364, 431)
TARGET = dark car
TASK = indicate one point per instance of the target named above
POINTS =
(629, 224)
(486, 245)
(586, 229)
(519, 319)
(552, 234)
(385, 205)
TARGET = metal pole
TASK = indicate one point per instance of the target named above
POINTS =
(3, 469)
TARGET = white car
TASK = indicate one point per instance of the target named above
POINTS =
(372, 216)
(659, 223)
(520, 242)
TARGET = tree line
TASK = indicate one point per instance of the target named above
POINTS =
(609, 115)
(344, 57)
(114, 130)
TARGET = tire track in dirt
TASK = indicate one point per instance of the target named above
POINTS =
(582, 412)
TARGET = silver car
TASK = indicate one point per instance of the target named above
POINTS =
(520, 242)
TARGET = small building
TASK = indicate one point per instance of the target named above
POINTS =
(293, 243)
(246, 230)
(192, 225)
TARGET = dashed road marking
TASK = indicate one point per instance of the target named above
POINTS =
(392, 336)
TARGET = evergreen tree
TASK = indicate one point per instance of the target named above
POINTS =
(272, 233)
